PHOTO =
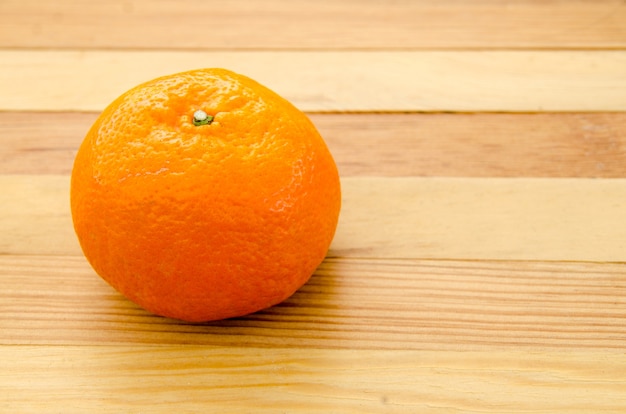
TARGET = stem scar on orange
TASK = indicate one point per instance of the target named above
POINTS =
(203, 195)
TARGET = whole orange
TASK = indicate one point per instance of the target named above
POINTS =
(204, 195)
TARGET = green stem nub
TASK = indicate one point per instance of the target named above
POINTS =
(201, 118)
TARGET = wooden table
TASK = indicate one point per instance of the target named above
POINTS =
(480, 260)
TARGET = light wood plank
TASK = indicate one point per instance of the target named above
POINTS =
(501, 81)
(442, 218)
(463, 145)
(525, 219)
(108, 379)
(323, 24)
(35, 214)
(348, 304)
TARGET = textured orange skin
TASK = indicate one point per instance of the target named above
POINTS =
(206, 222)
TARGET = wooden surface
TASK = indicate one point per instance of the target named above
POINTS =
(480, 260)
(333, 81)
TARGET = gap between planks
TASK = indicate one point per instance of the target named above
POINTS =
(430, 81)
(374, 304)
(464, 145)
(323, 24)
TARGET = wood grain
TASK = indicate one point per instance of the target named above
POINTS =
(367, 304)
(440, 218)
(425, 81)
(479, 263)
(323, 24)
(161, 379)
(449, 145)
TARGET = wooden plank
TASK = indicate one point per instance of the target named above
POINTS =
(432, 81)
(462, 145)
(35, 215)
(323, 24)
(41, 142)
(524, 219)
(440, 218)
(348, 304)
(108, 379)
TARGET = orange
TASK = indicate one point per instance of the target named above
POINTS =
(207, 216)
